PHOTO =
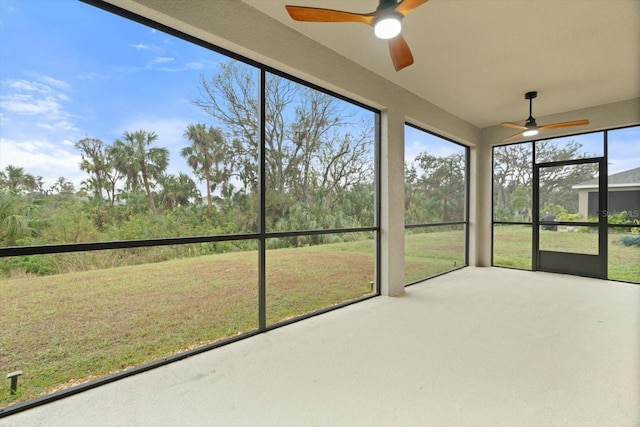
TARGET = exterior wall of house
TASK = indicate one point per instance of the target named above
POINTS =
(620, 199)
(583, 202)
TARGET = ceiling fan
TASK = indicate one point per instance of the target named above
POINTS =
(531, 128)
(386, 21)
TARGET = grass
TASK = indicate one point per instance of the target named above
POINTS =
(512, 248)
(427, 254)
(71, 328)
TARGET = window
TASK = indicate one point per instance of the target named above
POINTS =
(435, 205)
(569, 192)
(623, 210)
(512, 205)
(161, 196)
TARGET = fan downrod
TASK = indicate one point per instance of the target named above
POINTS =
(386, 4)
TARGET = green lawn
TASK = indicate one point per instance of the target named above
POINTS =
(427, 254)
(70, 328)
(512, 248)
(74, 327)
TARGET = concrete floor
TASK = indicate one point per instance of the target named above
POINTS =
(477, 347)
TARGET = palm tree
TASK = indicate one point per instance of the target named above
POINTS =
(135, 156)
(178, 191)
(15, 218)
(17, 181)
(206, 155)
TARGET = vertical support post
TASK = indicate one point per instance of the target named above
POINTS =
(535, 205)
(262, 241)
(480, 205)
(392, 203)
(603, 216)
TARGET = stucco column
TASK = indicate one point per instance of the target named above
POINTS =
(480, 199)
(392, 203)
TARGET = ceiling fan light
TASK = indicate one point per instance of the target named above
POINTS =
(530, 132)
(387, 26)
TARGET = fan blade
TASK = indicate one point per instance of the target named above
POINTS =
(513, 125)
(406, 6)
(512, 137)
(564, 124)
(314, 14)
(400, 53)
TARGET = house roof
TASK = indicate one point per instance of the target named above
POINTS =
(629, 178)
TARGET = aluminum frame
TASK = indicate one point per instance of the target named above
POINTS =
(465, 222)
(603, 183)
(260, 236)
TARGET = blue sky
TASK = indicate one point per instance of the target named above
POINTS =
(418, 141)
(69, 70)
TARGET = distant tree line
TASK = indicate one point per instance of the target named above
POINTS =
(513, 179)
(435, 189)
(318, 173)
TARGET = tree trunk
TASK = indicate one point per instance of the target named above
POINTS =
(152, 206)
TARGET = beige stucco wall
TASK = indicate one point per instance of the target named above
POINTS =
(235, 26)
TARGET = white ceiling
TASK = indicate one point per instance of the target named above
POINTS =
(477, 58)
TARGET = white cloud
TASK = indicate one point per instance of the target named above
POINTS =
(28, 104)
(411, 151)
(162, 59)
(44, 99)
(45, 126)
(186, 67)
(432, 145)
(143, 46)
(22, 85)
(148, 66)
(94, 76)
(621, 165)
(53, 82)
(65, 125)
(41, 157)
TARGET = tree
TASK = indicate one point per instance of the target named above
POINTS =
(207, 156)
(62, 186)
(512, 169)
(231, 98)
(513, 176)
(436, 188)
(135, 156)
(17, 181)
(94, 161)
(178, 191)
(15, 218)
(312, 150)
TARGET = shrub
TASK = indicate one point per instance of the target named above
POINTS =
(630, 240)
(31, 264)
(569, 217)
